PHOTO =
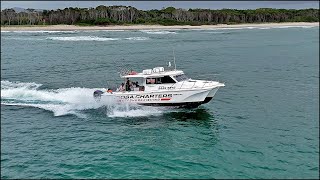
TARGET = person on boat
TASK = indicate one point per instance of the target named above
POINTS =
(121, 88)
(133, 72)
(132, 85)
(109, 91)
(128, 85)
(135, 86)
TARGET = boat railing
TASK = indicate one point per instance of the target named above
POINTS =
(182, 84)
(204, 83)
(203, 86)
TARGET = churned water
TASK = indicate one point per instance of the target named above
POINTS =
(263, 124)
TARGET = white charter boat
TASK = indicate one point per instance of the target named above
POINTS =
(162, 87)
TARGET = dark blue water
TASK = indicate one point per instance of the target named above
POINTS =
(263, 124)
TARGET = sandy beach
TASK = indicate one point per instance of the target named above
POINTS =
(147, 27)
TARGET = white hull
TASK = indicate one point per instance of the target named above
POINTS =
(185, 97)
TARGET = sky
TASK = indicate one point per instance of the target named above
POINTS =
(146, 5)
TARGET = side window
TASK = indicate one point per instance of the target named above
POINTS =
(167, 79)
(150, 81)
(161, 80)
(181, 77)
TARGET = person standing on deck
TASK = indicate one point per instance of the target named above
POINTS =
(128, 84)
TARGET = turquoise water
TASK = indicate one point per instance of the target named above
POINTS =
(263, 124)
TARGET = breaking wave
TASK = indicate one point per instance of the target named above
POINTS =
(94, 38)
(137, 38)
(66, 101)
(257, 27)
(103, 30)
(82, 38)
(172, 31)
(158, 32)
(215, 32)
(42, 32)
(284, 27)
(24, 38)
(66, 31)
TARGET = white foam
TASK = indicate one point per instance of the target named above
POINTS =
(94, 38)
(60, 101)
(82, 38)
(130, 110)
(66, 31)
(158, 32)
(214, 32)
(283, 27)
(67, 100)
(265, 28)
(42, 31)
(104, 30)
(24, 38)
(137, 38)
(58, 110)
(308, 26)
(251, 27)
(231, 28)
(10, 85)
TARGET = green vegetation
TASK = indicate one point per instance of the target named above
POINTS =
(120, 15)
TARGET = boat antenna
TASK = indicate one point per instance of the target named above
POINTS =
(174, 60)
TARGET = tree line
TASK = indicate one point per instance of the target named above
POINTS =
(119, 15)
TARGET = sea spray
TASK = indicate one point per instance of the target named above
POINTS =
(132, 110)
(66, 101)
(60, 101)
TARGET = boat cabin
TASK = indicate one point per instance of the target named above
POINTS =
(157, 78)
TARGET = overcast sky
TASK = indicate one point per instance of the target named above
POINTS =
(145, 5)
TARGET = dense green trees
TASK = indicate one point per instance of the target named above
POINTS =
(109, 15)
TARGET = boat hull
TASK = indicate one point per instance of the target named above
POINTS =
(189, 98)
(182, 105)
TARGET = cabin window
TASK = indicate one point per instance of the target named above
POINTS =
(151, 81)
(181, 77)
(160, 80)
(167, 79)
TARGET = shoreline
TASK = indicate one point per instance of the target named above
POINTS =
(148, 27)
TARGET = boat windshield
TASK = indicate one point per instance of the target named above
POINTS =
(181, 77)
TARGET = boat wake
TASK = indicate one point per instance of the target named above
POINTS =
(66, 101)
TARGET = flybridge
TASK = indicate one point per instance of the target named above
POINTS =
(155, 72)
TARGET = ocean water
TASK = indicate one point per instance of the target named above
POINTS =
(263, 124)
